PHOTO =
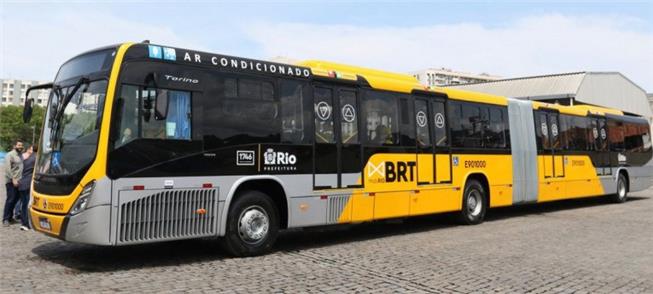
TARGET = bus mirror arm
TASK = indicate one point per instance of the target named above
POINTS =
(150, 81)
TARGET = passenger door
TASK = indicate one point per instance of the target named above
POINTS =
(337, 149)
(551, 157)
(433, 150)
(433, 154)
(601, 146)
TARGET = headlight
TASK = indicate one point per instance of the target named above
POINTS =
(83, 198)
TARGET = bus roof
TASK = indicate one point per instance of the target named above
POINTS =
(582, 110)
(376, 78)
(389, 81)
(463, 95)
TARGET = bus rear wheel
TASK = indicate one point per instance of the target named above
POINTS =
(252, 225)
(474, 203)
(622, 189)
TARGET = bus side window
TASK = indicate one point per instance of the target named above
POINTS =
(176, 125)
(472, 125)
(543, 131)
(381, 118)
(579, 139)
(292, 112)
(240, 109)
(494, 132)
(137, 110)
(455, 124)
(129, 115)
(637, 137)
(406, 129)
(616, 135)
(348, 117)
(421, 123)
(440, 123)
(564, 131)
(554, 130)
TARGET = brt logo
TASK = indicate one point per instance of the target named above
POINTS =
(389, 172)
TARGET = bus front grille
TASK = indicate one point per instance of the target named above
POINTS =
(168, 215)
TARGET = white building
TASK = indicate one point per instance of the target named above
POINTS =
(432, 77)
(12, 92)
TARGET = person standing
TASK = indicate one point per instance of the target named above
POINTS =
(29, 158)
(13, 173)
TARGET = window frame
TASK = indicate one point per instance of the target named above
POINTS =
(364, 98)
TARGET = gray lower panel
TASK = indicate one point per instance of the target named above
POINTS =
(90, 226)
(307, 211)
(524, 151)
(641, 177)
(317, 210)
(609, 184)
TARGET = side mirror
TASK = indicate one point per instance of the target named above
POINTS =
(27, 110)
(161, 105)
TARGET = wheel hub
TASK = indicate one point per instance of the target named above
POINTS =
(621, 189)
(253, 225)
(474, 203)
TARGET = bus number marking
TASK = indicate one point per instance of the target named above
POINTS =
(475, 164)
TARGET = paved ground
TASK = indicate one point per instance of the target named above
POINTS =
(571, 246)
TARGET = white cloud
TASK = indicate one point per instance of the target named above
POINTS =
(34, 47)
(529, 46)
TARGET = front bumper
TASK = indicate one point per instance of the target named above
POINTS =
(91, 226)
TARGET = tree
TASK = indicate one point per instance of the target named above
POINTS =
(12, 126)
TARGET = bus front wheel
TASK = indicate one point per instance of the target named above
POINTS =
(252, 225)
(474, 203)
(622, 189)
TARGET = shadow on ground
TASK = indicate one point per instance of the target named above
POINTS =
(87, 258)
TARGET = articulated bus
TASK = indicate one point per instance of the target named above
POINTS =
(147, 143)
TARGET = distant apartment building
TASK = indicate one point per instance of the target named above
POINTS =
(12, 92)
(445, 77)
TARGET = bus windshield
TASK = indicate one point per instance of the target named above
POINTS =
(71, 131)
(73, 115)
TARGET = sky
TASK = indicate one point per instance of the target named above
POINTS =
(505, 38)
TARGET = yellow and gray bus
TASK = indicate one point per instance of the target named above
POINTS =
(147, 143)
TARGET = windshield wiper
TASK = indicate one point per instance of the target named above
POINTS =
(69, 96)
(56, 89)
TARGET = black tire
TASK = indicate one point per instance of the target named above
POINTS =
(247, 217)
(474, 203)
(621, 194)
